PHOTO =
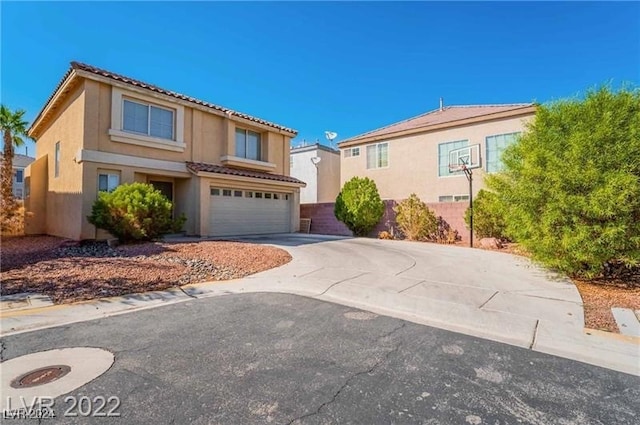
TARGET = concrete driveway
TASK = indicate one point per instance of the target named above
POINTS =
(488, 294)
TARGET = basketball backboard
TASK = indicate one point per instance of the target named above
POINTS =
(464, 158)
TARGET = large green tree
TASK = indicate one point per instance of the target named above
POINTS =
(571, 185)
(14, 128)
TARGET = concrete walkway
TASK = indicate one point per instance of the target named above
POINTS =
(487, 294)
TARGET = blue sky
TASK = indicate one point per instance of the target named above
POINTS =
(346, 67)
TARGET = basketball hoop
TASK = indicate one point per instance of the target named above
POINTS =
(466, 159)
(455, 168)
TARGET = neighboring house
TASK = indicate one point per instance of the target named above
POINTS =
(228, 172)
(20, 162)
(412, 156)
(319, 167)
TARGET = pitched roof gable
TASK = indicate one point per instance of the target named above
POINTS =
(447, 116)
(79, 66)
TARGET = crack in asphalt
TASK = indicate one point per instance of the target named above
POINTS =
(355, 376)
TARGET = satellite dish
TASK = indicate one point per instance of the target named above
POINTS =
(316, 160)
(330, 135)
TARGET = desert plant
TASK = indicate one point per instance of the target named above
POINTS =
(385, 235)
(359, 206)
(488, 216)
(571, 183)
(134, 212)
(415, 220)
(443, 232)
(14, 128)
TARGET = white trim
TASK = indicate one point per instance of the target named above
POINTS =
(141, 140)
(129, 161)
(247, 161)
(117, 95)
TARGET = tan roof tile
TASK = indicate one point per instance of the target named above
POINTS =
(137, 83)
(449, 114)
(219, 169)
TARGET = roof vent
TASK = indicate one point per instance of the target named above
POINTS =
(441, 104)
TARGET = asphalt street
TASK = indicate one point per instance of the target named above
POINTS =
(282, 359)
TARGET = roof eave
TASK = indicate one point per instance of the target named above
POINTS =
(65, 83)
(148, 92)
(525, 110)
(233, 177)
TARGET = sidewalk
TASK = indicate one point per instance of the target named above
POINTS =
(400, 280)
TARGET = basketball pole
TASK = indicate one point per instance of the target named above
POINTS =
(469, 174)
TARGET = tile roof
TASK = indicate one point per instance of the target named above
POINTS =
(219, 169)
(20, 160)
(137, 83)
(449, 114)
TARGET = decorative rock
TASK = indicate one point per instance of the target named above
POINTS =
(490, 243)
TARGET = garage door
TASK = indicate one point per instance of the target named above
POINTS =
(242, 212)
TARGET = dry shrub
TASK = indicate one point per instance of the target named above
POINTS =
(12, 223)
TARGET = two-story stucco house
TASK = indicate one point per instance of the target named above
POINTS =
(319, 167)
(228, 172)
(412, 156)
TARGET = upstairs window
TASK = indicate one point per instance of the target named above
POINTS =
(351, 152)
(19, 176)
(248, 144)
(377, 155)
(495, 146)
(147, 119)
(56, 161)
(443, 157)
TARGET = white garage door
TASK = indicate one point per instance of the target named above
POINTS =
(242, 212)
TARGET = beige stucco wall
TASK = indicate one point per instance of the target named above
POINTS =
(63, 213)
(36, 176)
(207, 136)
(328, 176)
(413, 161)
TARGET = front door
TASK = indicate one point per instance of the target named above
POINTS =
(167, 190)
(165, 187)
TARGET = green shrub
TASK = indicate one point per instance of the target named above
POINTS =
(488, 216)
(414, 218)
(359, 206)
(571, 185)
(134, 212)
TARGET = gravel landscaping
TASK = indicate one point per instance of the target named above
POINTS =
(68, 272)
(599, 298)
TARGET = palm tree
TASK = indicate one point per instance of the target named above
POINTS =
(13, 127)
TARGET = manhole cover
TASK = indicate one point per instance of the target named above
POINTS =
(40, 376)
